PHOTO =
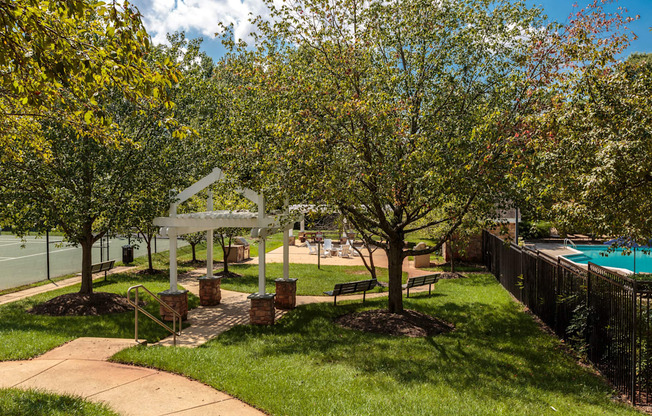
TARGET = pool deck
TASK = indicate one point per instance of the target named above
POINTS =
(554, 249)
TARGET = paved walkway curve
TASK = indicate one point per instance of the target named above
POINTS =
(80, 368)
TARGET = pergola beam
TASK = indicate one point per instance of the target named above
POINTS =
(206, 223)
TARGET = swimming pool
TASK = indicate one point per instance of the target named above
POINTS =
(598, 254)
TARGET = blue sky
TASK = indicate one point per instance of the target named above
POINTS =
(200, 18)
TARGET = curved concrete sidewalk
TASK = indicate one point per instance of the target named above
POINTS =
(79, 368)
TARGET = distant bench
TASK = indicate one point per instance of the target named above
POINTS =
(429, 280)
(352, 287)
(102, 267)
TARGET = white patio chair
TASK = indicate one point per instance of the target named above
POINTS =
(354, 252)
(328, 246)
(311, 249)
(345, 251)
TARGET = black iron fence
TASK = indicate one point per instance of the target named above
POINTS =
(599, 312)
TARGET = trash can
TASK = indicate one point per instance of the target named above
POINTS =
(127, 254)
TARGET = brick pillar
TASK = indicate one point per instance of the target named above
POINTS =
(262, 310)
(177, 300)
(286, 293)
(210, 293)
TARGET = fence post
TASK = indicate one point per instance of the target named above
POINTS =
(588, 285)
(633, 364)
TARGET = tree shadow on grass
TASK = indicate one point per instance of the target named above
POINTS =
(496, 349)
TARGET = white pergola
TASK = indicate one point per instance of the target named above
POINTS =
(261, 223)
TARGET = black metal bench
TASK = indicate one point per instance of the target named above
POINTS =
(105, 266)
(352, 287)
(429, 280)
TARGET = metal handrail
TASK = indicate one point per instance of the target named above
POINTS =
(137, 308)
(568, 240)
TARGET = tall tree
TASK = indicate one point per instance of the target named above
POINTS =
(172, 162)
(74, 79)
(590, 139)
(385, 110)
(85, 186)
(599, 175)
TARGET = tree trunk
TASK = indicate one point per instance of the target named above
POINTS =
(226, 250)
(194, 257)
(372, 266)
(452, 256)
(395, 271)
(87, 261)
(149, 254)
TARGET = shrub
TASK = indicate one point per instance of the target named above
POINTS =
(535, 230)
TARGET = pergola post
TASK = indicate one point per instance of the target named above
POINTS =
(262, 310)
(209, 239)
(261, 246)
(261, 266)
(172, 234)
(175, 298)
(286, 253)
(286, 288)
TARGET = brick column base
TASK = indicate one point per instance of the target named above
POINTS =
(178, 300)
(262, 310)
(286, 293)
(210, 293)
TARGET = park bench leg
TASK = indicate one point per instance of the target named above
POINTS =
(335, 300)
(105, 272)
(429, 290)
(364, 295)
(408, 292)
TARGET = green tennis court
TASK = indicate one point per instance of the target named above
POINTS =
(24, 261)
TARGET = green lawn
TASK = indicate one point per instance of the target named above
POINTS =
(16, 402)
(496, 362)
(25, 335)
(312, 281)
(443, 266)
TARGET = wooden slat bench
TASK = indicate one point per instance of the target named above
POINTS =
(105, 266)
(352, 287)
(429, 280)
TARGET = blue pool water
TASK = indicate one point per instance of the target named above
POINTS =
(599, 255)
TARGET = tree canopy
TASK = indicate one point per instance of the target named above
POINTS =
(85, 112)
(589, 166)
(603, 178)
(59, 58)
(388, 111)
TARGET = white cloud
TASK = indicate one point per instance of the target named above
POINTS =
(168, 16)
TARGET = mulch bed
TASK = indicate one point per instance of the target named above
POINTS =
(228, 274)
(450, 275)
(190, 263)
(150, 272)
(75, 304)
(408, 324)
